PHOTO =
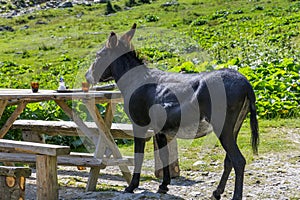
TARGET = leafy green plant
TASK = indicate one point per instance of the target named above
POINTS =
(151, 18)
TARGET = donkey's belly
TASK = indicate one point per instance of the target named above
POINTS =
(191, 132)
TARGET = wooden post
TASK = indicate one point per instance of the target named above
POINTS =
(12, 182)
(46, 164)
(173, 158)
(46, 176)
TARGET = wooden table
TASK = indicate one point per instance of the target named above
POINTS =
(102, 140)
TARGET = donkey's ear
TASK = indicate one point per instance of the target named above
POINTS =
(129, 35)
(112, 40)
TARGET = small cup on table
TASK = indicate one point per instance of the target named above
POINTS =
(34, 87)
(85, 86)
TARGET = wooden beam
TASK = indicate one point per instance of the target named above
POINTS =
(108, 138)
(35, 148)
(74, 159)
(3, 104)
(109, 114)
(70, 128)
(81, 125)
(12, 118)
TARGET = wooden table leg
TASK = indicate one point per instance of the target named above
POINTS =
(81, 125)
(107, 137)
(3, 104)
(46, 177)
(12, 118)
(100, 149)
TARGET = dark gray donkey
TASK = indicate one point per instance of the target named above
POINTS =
(181, 105)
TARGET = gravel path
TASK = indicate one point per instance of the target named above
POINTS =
(273, 176)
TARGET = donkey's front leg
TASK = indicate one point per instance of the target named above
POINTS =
(139, 146)
(164, 156)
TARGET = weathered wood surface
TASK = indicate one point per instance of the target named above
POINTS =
(35, 148)
(12, 118)
(3, 104)
(81, 125)
(70, 128)
(46, 177)
(15, 171)
(101, 148)
(74, 159)
(14, 96)
(12, 182)
(108, 138)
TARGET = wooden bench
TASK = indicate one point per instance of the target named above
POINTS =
(32, 130)
(46, 163)
(12, 182)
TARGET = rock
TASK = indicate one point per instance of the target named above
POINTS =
(6, 28)
(40, 22)
(24, 27)
(66, 4)
(172, 3)
(199, 162)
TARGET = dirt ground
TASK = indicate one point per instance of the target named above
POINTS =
(274, 176)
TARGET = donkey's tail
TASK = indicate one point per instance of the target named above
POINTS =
(253, 122)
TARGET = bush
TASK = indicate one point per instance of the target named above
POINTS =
(109, 8)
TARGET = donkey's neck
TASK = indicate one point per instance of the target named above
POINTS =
(130, 72)
(133, 79)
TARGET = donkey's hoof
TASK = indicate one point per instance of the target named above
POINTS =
(214, 196)
(162, 190)
(128, 190)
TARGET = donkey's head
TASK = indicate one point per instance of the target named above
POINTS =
(111, 56)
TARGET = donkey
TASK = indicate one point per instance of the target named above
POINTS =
(182, 105)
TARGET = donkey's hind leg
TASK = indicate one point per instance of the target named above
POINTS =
(237, 159)
(227, 164)
(221, 187)
(164, 156)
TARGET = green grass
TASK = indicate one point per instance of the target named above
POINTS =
(259, 38)
(274, 138)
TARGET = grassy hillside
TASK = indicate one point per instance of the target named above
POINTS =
(259, 38)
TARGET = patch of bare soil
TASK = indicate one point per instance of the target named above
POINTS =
(269, 176)
(273, 176)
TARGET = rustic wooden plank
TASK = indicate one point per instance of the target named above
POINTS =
(35, 148)
(74, 159)
(15, 171)
(81, 125)
(12, 118)
(46, 177)
(108, 138)
(70, 128)
(33, 136)
(3, 104)
(28, 95)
